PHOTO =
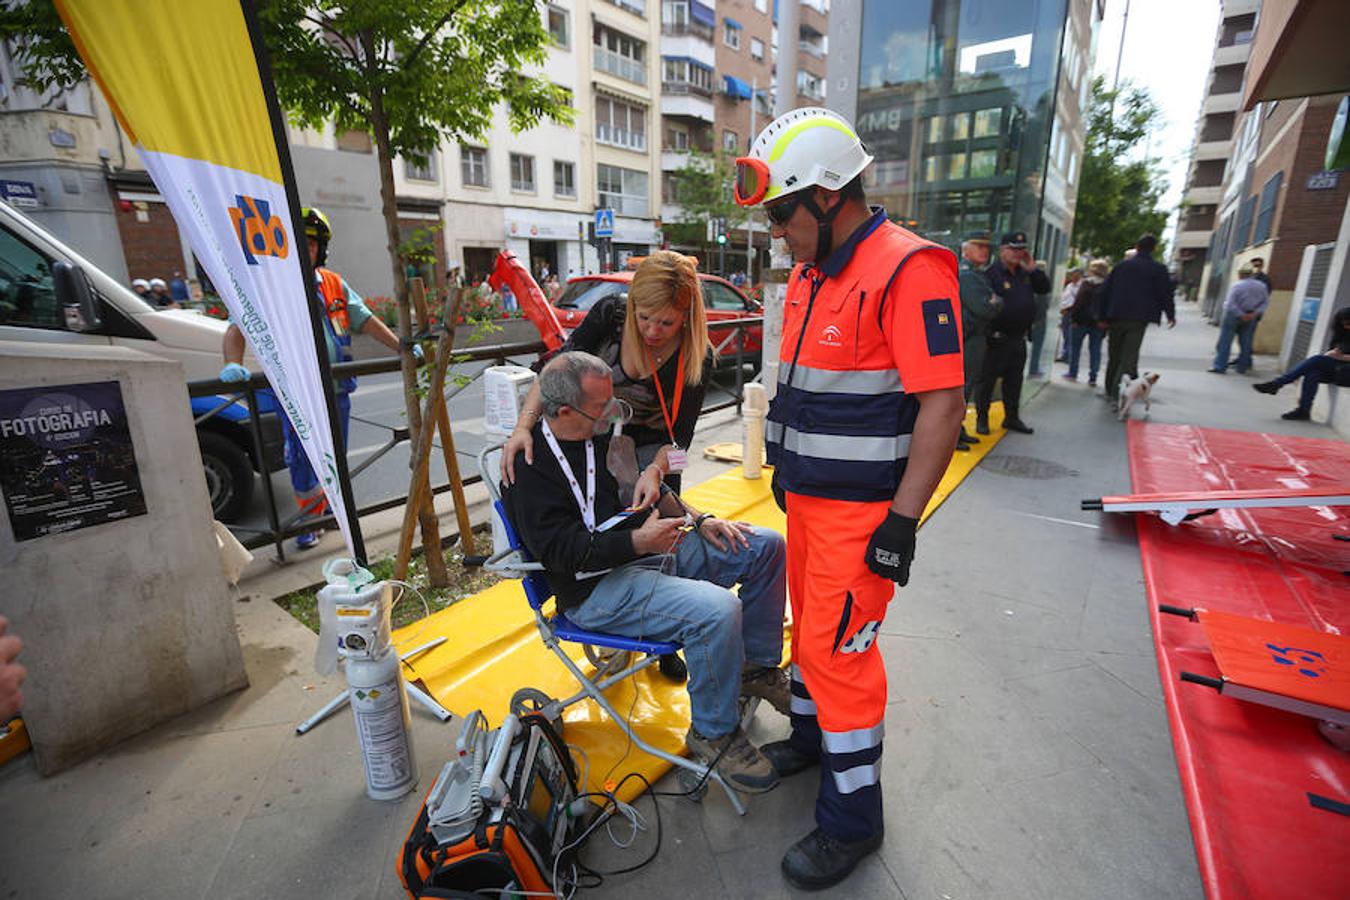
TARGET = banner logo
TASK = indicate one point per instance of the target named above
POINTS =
(260, 233)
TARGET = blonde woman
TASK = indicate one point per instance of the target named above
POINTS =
(660, 327)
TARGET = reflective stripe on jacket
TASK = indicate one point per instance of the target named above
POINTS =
(840, 424)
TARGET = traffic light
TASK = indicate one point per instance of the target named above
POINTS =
(721, 230)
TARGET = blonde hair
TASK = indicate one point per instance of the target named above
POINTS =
(667, 279)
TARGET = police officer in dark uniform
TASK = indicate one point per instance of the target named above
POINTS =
(1015, 280)
(979, 305)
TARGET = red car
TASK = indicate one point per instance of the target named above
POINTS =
(723, 300)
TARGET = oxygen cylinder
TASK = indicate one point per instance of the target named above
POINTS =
(354, 625)
(380, 707)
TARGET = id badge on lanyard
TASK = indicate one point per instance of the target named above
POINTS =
(676, 457)
(586, 503)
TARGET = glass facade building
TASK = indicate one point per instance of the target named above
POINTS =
(974, 110)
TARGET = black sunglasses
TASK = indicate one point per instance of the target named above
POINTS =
(780, 212)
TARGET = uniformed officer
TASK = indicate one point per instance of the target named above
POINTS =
(867, 411)
(1016, 281)
(979, 305)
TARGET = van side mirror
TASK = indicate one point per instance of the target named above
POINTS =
(76, 296)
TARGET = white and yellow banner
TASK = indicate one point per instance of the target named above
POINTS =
(202, 124)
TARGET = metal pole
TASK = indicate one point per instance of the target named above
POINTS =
(750, 222)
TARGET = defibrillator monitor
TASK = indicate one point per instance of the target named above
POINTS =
(543, 791)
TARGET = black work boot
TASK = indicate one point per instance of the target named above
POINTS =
(966, 437)
(787, 758)
(673, 668)
(818, 861)
(982, 424)
(1017, 425)
(1267, 387)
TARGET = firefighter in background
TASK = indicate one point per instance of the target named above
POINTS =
(347, 313)
(867, 412)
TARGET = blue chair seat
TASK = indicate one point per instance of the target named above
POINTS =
(565, 630)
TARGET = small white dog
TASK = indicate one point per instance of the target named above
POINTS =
(1135, 391)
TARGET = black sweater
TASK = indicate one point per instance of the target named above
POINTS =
(545, 514)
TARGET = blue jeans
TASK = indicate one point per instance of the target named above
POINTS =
(1231, 325)
(303, 480)
(1094, 337)
(720, 632)
(1315, 372)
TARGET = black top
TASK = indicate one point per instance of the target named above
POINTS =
(1138, 290)
(544, 511)
(601, 333)
(1018, 290)
(1087, 303)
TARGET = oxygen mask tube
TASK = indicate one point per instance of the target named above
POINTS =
(621, 460)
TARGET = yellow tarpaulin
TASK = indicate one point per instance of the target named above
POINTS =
(492, 647)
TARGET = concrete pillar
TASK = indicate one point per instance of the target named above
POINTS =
(128, 622)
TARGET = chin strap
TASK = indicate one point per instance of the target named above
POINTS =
(824, 226)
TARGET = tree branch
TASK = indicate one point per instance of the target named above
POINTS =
(431, 33)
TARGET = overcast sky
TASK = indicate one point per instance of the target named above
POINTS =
(1168, 48)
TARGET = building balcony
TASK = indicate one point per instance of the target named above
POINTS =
(673, 160)
(691, 47)
(1194, 240)
(1210, 196)
(1233, 54)
(620, 66)
(1220, 103)
(689, 104)
(1213, 150)
(687, 29)
(620, 137)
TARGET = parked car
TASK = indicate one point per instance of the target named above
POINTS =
(724, 302)
(37, 268)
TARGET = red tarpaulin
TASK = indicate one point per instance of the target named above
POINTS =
(1247, 770)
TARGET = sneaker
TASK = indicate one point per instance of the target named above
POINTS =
(1092, 382)
(309, 539)
(1018, 426)
(818, 861)
(672, 667)
(1216, 371)
(787, 759)
(767, 683)
(1267, 387)
(1298, 415)
(1068, 377)
(741, 764)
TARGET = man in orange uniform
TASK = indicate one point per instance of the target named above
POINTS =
(867, 411)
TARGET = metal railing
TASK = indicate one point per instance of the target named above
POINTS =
(280, 528)
(625, 67)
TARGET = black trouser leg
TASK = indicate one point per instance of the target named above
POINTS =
(1012, 378)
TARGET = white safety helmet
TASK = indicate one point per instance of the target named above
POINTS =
(800, 149)
(140, 284)
(157, 282)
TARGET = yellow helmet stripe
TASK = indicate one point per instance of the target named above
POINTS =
(780, 146)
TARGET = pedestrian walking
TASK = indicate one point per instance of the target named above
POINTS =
(1247, 299)
(1088, 322)
(1066, 298)
(1039, 325)
(1138, 291)
(979, 306)
(867, 411)
(1016, 282)
(1329, 367)
(345, 312)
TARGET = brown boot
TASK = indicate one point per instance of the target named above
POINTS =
(739, 761)
(767, 683)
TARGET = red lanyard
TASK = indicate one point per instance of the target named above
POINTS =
(669, 416)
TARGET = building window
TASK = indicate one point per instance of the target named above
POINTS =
(620, 124)
(420, 168)
(983, 163)
(731, 33)
(620, 55)
(1265, 217)
(731, 142)
(473, 166)
(354, 141)
(670, 189)
(682, 75)
(564, 179)
(677, 139)
(811, 86)
(988, 122)
(560, 26)
(762, 5)
(522, 172)
(756, 48)
(636, 7)
(622, 190)
(1246, 212)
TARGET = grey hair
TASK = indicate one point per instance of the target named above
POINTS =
(560, 382)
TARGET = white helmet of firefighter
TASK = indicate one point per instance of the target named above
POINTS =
(803, 148)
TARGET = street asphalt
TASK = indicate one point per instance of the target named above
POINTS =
(1027, 748)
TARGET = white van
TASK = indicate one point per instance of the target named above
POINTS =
(48, 292)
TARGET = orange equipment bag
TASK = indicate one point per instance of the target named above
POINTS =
(512, 843)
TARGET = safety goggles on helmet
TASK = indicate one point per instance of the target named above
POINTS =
(752, 180)
(316, 224)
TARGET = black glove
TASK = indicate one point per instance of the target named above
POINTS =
(779, 495)
(891, 549)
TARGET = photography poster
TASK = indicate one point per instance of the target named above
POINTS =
(66, 458)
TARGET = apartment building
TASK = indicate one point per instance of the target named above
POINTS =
(1214, 142)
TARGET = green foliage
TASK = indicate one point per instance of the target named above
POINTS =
(428, 70)
(703, 189)
(1118, 196)
(40, 45)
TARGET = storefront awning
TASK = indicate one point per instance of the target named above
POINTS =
(734, 87)
(702, 14)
